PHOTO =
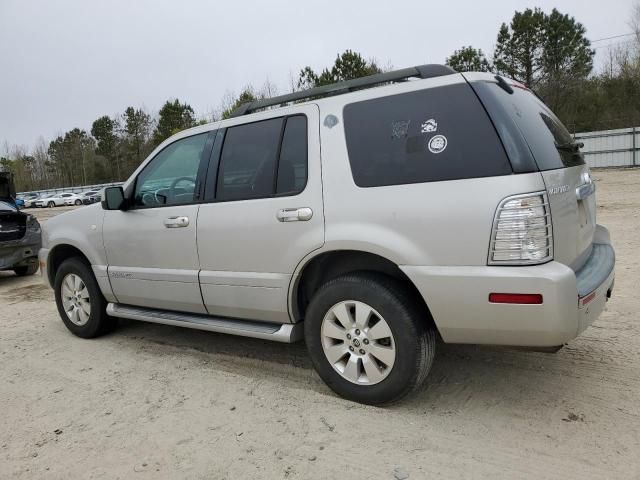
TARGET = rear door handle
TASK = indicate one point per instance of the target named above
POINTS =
(176, 222)
(294, 214)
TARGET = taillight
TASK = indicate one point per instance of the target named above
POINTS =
(522, 232)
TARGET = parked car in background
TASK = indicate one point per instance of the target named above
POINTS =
(20, 234)
(58, 200)
(369, 222)
(42, 202)
(29, 199)
(73, 199)
(19, 202)
(92, 196)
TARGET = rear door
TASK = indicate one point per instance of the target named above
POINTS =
(264, 214)
(557, 156)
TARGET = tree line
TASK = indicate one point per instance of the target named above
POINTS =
(549, 52)
(110, 151)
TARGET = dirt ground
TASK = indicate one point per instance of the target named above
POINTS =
(152, 401)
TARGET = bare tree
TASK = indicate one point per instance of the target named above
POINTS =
(41, 157)
(268, 90)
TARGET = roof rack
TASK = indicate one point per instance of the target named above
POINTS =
(421, 71)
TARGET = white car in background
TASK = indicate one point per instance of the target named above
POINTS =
(73, 199)
(58, 200)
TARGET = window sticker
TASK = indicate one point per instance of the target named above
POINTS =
(430, 126)
(400, 128)
(437, 144)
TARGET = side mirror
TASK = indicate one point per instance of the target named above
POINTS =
(113, 198)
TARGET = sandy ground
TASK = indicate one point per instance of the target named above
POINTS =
(151, 401)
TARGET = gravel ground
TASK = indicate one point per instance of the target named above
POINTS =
(152, 401)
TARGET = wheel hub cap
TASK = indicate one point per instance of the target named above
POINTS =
(75, 299)
(358, 342)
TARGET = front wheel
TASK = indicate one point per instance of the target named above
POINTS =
(51, 204)
(369, 340)
(79, 300)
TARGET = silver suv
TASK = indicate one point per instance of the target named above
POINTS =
(369, 217)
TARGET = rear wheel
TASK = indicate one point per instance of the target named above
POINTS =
(368, 339)
(27, 270)
(78, 202)
(51, 204)
(79, 300)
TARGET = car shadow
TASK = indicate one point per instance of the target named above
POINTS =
(8, 276)
(462, 376)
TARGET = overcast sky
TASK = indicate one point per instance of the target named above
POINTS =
(64, 63)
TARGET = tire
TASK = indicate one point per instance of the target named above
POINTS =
(78, 202)
(412, 336)
(51, 204)
(85, 325)
(27, 270)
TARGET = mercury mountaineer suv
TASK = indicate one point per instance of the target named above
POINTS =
(368, 217)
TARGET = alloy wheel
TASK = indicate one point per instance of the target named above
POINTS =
(358, 342)
(75, 299)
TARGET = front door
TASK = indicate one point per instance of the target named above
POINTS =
(151, 247)
(265, 214)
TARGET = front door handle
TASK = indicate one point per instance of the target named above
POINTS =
(176, 222)
(294, 214)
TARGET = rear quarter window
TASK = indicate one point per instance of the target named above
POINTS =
(543, 132)
(428, 135)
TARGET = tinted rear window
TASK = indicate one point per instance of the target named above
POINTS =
(542, 130)
(424, 136)
(248, 160)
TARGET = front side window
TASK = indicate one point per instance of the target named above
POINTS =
(170, 178)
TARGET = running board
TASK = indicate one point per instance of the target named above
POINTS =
(286, 333)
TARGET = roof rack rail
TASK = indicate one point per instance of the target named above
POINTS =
(421, 71)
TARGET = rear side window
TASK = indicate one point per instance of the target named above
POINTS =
(548, 139)
(424, 136)
(248, 160)
(262, 159)
(292, 167)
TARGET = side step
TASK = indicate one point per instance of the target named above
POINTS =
(286, 333)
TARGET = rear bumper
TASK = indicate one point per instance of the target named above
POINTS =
(458, 298)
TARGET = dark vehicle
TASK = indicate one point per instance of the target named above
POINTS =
(92, 196)
(20, 233)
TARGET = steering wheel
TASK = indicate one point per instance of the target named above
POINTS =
(172, 187)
